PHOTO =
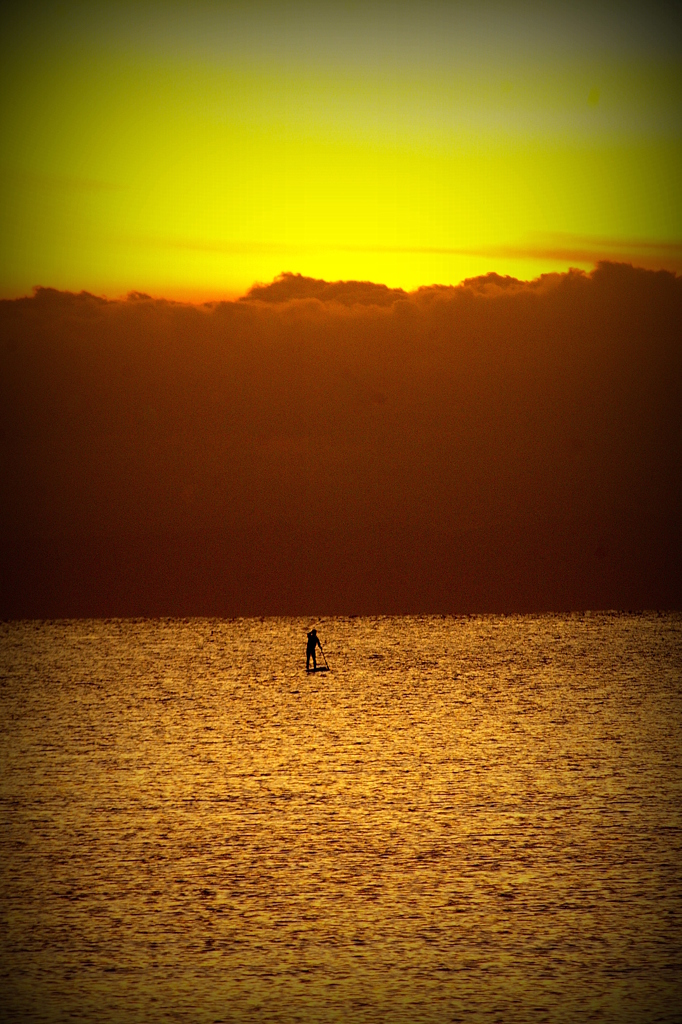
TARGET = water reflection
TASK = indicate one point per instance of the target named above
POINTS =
(467, 819)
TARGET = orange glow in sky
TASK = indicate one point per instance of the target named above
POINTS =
(190, 150)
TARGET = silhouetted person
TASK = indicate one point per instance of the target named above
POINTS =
(313, 642)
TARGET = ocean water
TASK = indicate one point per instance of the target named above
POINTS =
(467, 819)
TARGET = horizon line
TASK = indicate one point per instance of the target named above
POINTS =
(171, 294)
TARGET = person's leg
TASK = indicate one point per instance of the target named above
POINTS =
(314, 660)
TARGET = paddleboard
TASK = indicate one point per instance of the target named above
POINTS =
(320, 668)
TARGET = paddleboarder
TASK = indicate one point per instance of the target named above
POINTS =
(313, 642)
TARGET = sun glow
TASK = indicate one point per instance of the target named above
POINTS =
(141, 155)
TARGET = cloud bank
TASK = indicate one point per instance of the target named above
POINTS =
(343, 447)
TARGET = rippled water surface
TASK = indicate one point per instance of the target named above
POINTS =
(465, 820)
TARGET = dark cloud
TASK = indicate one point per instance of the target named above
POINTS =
(344, 447)
(348, 293)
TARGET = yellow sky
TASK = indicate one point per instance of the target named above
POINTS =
(190, 151)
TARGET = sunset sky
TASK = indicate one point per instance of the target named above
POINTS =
(190, 150)
(422, 352)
